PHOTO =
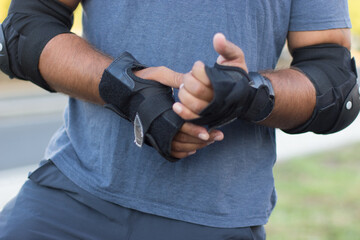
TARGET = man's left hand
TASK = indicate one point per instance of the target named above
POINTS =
(196, 91)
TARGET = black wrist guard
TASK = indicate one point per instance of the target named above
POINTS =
(145, 103)
(236, 95)
(4, 57)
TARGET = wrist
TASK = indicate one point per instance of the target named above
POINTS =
(146, 104)
(264, 99)
(237, 95)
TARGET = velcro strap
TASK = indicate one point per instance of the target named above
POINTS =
(263, 101)
(4, 57)
(231, 92)
(146, 103)
(148, 113)
(162, 131)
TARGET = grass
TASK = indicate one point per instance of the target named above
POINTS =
(318, 197)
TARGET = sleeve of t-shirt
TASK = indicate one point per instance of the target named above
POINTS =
(309, 15)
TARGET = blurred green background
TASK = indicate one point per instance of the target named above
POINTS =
(319, 195)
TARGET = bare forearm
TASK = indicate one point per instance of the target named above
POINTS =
(72, 66)
(295, 99)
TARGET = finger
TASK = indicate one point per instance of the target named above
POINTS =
(181, 154)
(197, 88)
(216, 135)
(168, 77)
(193, 103)
(162, 75)
(198, 131)
(220, 60)
(186, 147)
(226, 48)
(198, 71)
(230, 54)
(195, 131)
(186, 138)
(184, 112)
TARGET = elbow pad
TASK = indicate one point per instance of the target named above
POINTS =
(29, 26)
(333, 74)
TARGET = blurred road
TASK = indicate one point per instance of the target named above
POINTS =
(28, 118)
(26, 125)
(23, 139)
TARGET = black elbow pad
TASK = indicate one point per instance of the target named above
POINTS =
(29, 26)
(333, 74)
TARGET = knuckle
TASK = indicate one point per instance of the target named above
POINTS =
(183, 138)
(187, 79)
(188, 115)
(197, 106)
(198, 65)
(161, 68)
(176, 146)
(182, 95)
(177, 78)
(198, 90)
(180, 137)
(190, 129)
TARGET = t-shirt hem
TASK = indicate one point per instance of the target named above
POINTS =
(159, 209)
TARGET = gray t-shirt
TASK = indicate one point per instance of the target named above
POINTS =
(227, 184)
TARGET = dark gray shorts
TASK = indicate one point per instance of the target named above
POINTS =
(50, 206)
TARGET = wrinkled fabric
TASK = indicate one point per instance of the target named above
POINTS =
(227, 184)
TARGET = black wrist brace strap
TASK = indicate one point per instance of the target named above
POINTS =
(4, 57)
(333, 74)
(29, 26)
(236, 95)
(145, 103)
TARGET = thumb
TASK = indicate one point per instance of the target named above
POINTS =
(228, 51)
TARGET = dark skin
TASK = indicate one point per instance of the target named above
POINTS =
(71, 66)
